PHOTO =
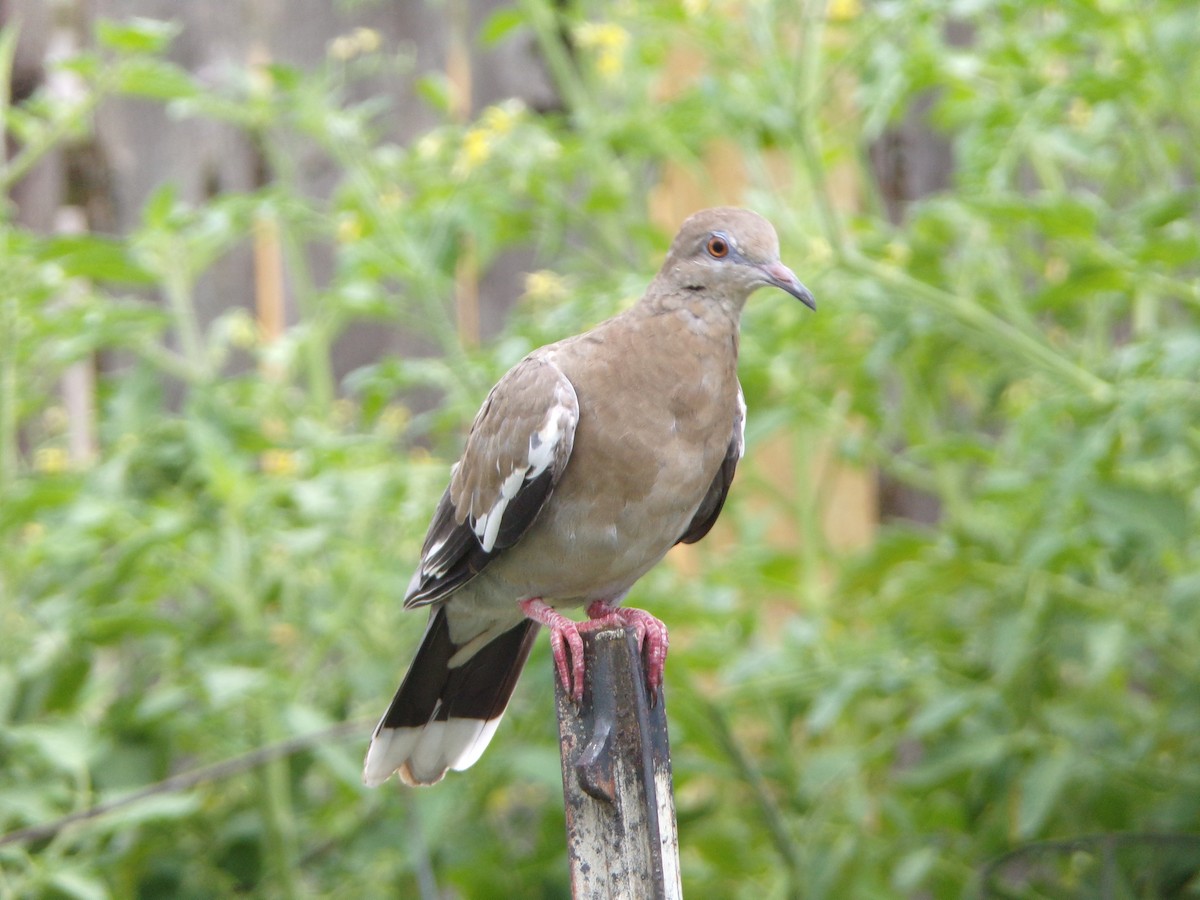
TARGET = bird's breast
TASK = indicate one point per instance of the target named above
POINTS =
(647, 447)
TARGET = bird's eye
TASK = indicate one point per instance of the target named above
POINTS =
(718, 247)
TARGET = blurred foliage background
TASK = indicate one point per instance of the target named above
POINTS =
(214, 592)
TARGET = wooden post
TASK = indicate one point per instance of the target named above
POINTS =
(616, 762)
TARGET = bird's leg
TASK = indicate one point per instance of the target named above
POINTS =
(564, 637)
(652, 636)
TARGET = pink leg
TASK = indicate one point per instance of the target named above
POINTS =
(564, 636)
(651, 636)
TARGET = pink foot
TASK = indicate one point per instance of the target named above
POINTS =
(567, 646)
(564, 636)
(652, 637)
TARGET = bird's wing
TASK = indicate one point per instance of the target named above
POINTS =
(714, 499)
(516, 451)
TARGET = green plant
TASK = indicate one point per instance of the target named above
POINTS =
(216, 592)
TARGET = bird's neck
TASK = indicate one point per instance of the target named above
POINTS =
(700, 309)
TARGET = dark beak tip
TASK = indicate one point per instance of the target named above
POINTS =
(783, 278)
(799, 291)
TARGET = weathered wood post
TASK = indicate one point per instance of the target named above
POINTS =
(616, 762)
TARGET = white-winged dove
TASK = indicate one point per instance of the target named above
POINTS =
(589, 460)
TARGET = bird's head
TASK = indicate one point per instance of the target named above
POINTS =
(727, 253)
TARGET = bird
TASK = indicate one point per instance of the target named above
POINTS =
(588, 461)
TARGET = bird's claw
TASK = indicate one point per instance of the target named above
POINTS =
(652, 638)
(566, 644)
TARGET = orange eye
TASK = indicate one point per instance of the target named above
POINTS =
(718, 247)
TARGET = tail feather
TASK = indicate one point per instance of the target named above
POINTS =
(446, 710)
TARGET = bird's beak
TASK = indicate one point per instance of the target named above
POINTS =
(780, 276)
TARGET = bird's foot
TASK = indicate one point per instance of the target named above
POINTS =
(566, 645)
(564, 642)
(652, 637)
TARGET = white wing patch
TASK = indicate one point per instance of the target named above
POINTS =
(543, 446)
(741, 423)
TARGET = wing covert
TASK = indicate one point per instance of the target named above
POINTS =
(516, 452)
(710, 507)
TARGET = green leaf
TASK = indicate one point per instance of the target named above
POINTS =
(136, 35)
(74, 883)
(228, 684)
(1159, 515)
(160, 206)
(940, 711)
(155, 78)
(94, 257)
(912, 868)
(1040, 787)
(500, 25)
(969, 755)
(66, 747)
(436, 90)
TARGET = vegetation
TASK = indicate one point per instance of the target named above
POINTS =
(1024, 346)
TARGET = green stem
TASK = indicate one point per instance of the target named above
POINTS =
(52, 134)
(32, 152)
(166, 361)
(546, 31)
(317, 366)
(811, 154)
(177, 287)
(8, 394)
(282, 845)
(1000, 334)
(745, 767)
(8, 50)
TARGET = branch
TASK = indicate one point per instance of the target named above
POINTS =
(187, 780)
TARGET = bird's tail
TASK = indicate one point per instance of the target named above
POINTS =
(449, 704)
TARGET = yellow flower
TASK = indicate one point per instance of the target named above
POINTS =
(341, 47)
(392, 199)
(609, 64)
(819, 250)
(367, 40)
(283, 634)
(594, 35)
(1057, 270)
(897, 252)
(844, 10)
(359, 41)
(500, 119)
(243, 332)
(608, 41)
(349, 228)
(278, 462)
(1079, 113)
(394, 419)
(544, 285)
(51, 460)
(475, 150)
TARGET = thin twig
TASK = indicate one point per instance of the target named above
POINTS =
(187, 780)
(772, 815)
